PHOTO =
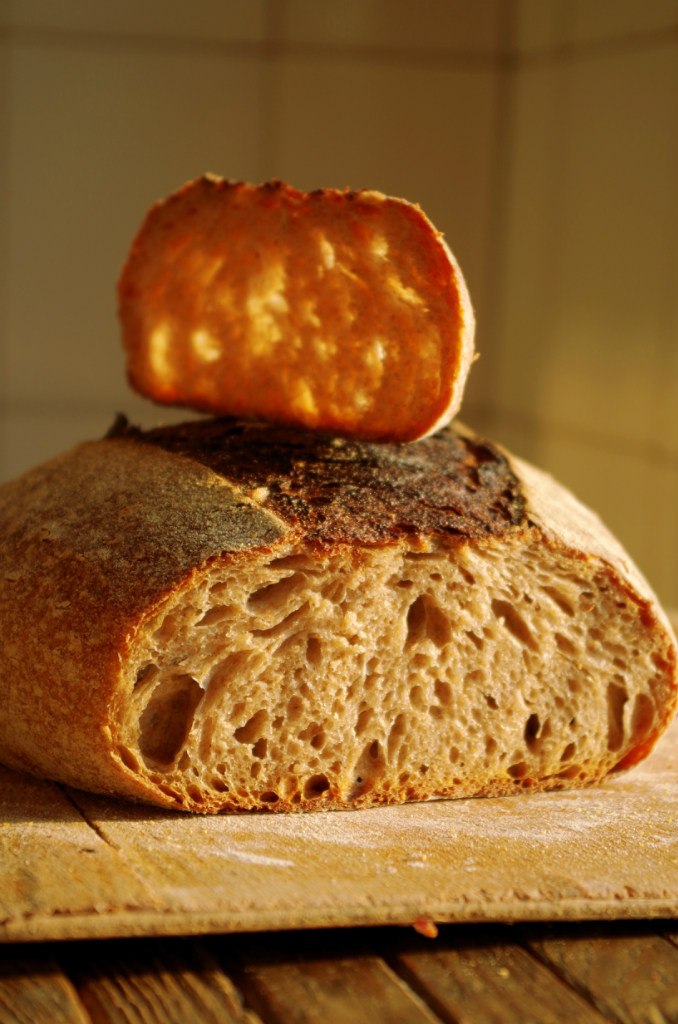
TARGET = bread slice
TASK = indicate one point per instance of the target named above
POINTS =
(340, 311)
(221, 615)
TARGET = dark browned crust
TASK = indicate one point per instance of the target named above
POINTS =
(339, 491)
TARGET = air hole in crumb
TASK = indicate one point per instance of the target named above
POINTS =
(313, 650)
(395, 735)
(145, 674)
(170, 791)
(295, 706)
(364, 719)
(253, 728)
(617, 697)
(214, 615)
(128, 758)
(475, 676)
(443, 692)
(269, 797)
(293, 562)
(281, 626)
(260, 747)
(560, 600)
(275, 595)
(219, 785)
(491, 702)
(426, 621)
(313, 734)
(568, 752)
(531, 733)
(565, 645)
(509, 616)
(517, 770)
(642, 719)
(417, 699)
(316, 786)
(166, 720)
(475, 639)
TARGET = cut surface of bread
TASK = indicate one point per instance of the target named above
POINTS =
(339, 311)
(231, 617)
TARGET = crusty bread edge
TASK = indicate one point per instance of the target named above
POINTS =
(566, 523)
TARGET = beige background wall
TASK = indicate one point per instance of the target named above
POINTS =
(540, 135)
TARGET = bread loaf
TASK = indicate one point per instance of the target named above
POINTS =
(338, 311)
(222, 615)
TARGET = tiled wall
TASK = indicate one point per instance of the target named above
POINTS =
(540, 135)
(585, 358)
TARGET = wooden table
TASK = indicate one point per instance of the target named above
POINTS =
(580, 973)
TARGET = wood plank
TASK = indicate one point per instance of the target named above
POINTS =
(559, 858)
(631, 974)
(54, 864)
(33, 990)
(173, 982)
(487, 978)
(345, 990)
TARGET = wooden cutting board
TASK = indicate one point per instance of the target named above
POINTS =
(78, 866)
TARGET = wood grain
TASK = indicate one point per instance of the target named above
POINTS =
(492, 981)
(350, 990)
(144, 982)
(631, 977)
(534, 974)
(33, 990)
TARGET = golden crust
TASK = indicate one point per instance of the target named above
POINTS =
(339, 311)
(334, 491)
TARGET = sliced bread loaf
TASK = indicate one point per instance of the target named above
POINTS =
(222, 616)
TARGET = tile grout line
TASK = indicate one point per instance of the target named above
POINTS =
(424, 56)
(612, 46)
(500, 187)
